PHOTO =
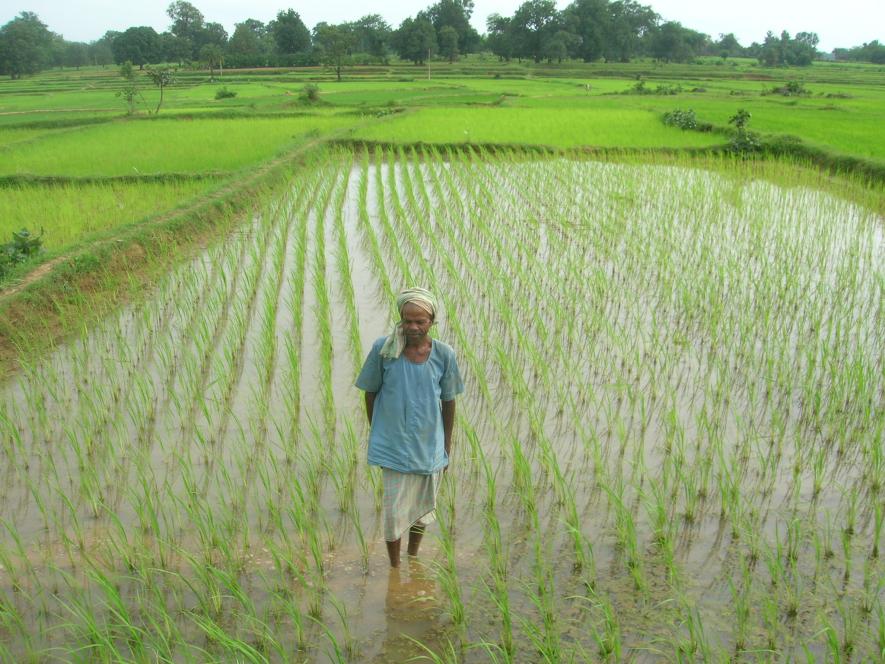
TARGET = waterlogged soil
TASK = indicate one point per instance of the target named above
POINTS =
(669, 446)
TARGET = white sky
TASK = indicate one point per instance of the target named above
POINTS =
(844, 23)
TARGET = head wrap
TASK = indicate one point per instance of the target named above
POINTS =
(396, 341)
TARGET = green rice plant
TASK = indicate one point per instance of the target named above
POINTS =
(195, 424)
(697, 645)
(741, 601)
(448, 656)
(72, 212)
(163, 146)
(345, 279)
(626, 533)
(553, 127)
(878, 517)
(337, 655)
(498, 593)
(880, 632)
(447, 577)
(544, 637)
(607, 636)
(350, 646)
(217, 635)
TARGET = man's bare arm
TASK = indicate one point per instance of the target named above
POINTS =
(448, 418)
(370, 405)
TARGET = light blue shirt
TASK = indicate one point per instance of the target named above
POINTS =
(407, 429)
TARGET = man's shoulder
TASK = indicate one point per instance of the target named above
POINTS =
(444, 348)
(378, 343)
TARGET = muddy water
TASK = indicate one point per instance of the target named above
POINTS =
(641, 331)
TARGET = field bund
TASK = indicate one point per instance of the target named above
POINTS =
(670, 444)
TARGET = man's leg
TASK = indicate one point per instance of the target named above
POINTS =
(393, 550)
(416, 532)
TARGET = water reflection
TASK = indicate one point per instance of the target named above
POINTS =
(412, 609)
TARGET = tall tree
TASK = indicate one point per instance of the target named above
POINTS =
(248, 46)
(100, 51)
(213, 56)
(25, 45)
(563, 44)
(139, 45)
(534, 22)
(727, 46)
(334, 44)
(448, 43)
(629, 24)
(187, 20)
(803, 49)
(455, 14)
(669, 43)
(372, 35)
(176, 49)
(867, 52)
(415, 39)
(591, 21)
(499, 37)
(784, 50)
(289, 33)
(76, 54)
(212, 34)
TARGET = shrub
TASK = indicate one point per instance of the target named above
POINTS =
(310, 93)
(743, 141)
(224, 93)
(791, 89)
(685, 120)
(682, 119)
(24, 245)
(664, 90)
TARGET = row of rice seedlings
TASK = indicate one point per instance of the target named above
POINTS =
(345, 277)
(546, 639)
(663, 416)
(368, 233)
(197, 515)
(689, 480)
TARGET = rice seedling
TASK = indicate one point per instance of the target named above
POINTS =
(674, 385)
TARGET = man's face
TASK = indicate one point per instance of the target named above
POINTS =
(415, 321)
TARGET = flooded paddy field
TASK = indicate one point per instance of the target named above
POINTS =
(670, 447)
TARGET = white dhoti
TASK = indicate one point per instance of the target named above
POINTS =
(409, 499)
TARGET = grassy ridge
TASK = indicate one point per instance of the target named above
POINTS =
(71, 211)
(163, 145)
(554, 127)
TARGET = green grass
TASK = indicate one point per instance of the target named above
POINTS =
(554, 127)
(844, 125)
(143, 147)
(70, 213)
(10, 137)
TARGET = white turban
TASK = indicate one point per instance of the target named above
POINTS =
(396, 341)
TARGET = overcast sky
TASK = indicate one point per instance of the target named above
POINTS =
(840, 23)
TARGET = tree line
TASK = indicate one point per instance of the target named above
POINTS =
(588, 30)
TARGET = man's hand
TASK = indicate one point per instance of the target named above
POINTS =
(448, 418)
(370, 405)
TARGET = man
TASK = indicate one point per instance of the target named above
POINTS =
(411, 382)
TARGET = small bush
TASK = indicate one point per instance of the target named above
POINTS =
(682, 119)
(310, 93)
(664, 90)
(743, 141)
(224, 93)
(791, 89)
(24, 246)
